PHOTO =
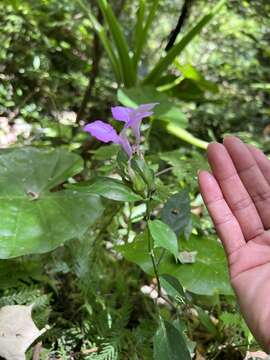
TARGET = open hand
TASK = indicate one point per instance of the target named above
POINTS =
(237, 196)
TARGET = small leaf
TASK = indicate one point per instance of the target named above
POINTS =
(163, 236)
(206, 321)
(172, 286)
(17, 331)
(176, 212)
(190, 72)
(169, 343)
(109, 188)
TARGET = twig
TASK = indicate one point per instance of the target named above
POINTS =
(37, 351)
(164, 171)
(151, 247)
(182, 19)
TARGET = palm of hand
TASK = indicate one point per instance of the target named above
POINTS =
(238, 200)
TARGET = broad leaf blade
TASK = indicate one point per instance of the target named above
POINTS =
(172, 286)
(109, 188)
(34, 218)
(207, 276)
(169, 343)
(30, 170)
(176, 212)
(163, 236)
(191, 73)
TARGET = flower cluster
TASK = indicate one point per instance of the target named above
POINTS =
(132, 119)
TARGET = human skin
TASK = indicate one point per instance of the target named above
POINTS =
(237, 195)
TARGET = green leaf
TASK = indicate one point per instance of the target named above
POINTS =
(176, 212)
(140, 166)
(120, 43)
(190, 72)
(166, 61)
(35, 217)
(169, 343)
(172, 286)
(163, 236)
(141, 32)
(167, 110)
(207, 276)
(109, 188)
(206, 321)
(99, 29)
(138, 33)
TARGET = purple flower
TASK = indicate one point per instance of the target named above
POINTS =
(133, 117)
(106, 133)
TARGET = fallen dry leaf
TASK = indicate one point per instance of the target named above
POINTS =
(17, 331)
(258, 355)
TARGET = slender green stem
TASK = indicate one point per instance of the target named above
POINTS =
(151, 245)
(129, 221)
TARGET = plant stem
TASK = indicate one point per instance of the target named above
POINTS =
(150, 245)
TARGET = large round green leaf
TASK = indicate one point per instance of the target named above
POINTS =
(208, 275)
(35, 216)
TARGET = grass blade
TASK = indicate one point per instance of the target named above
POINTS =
(141, 32)
(128, 72)
(99, 29)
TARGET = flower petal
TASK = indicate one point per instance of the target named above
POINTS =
(125, 143)
(121, 113)
(146, 107)
(102, 131)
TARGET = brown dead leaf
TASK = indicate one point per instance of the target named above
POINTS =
(17, 331)
(258, 355)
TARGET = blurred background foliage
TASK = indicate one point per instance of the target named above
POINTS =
(65, 63)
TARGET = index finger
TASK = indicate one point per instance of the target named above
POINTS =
(235, 193)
